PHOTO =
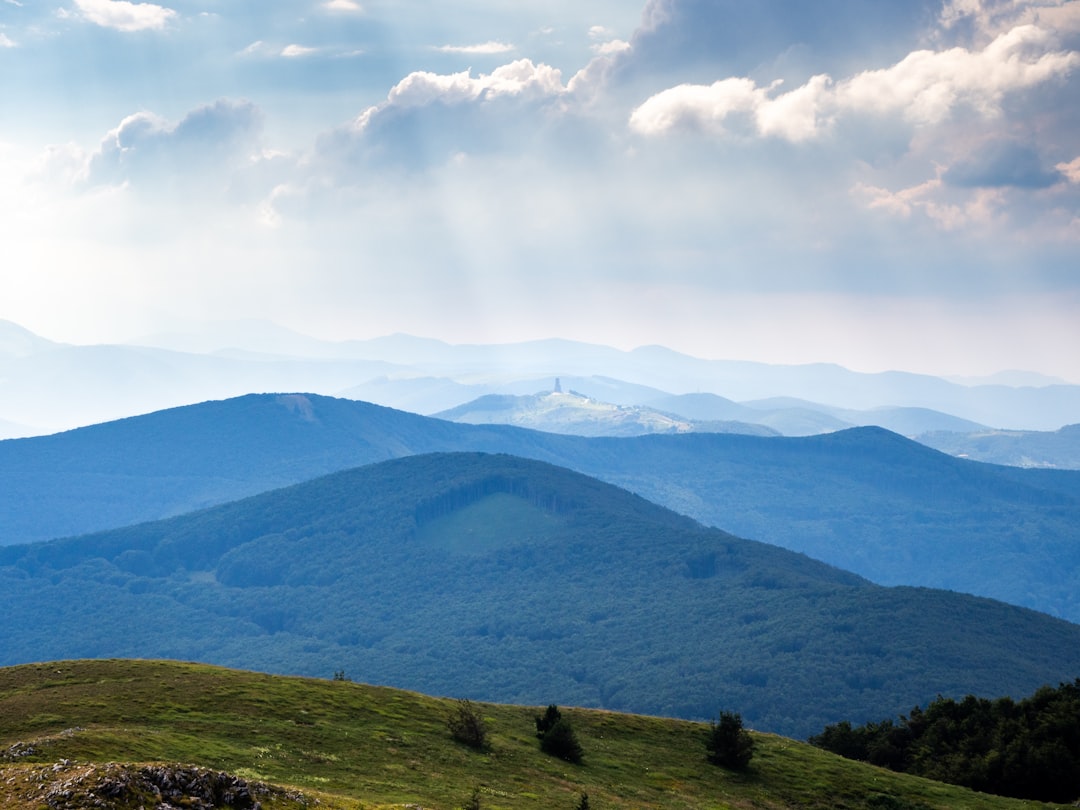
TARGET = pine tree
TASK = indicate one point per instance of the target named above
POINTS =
(728, 744)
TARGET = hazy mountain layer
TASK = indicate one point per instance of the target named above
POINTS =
(865, 500)
(572, 413)
(504, 579)
(1018, 448)
(51, 386)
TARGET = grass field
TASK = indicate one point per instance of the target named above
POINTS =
(356, 746)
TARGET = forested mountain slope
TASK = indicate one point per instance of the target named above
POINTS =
(499, 578)
(865, 500)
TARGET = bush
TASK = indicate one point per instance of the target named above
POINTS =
(467, 726)
(560, 741)
(545, 721)
(557, 736)
(729, 744)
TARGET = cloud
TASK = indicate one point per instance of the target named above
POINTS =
(984, 209)
(925, 87)
(1002, 164)
(342, 5)
(522, 78)
(125, 16)
(5, 42)
(483, 49)
(611, 47)
(295, 51)
(145, 147)
(989, 18)
(430, 119)
(1070, 170)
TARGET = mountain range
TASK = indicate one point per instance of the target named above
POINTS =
(47, 386)
(499, 578)
(865, 500)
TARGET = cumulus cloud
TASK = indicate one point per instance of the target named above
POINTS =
(483, 49)
(125, 16)
(521, 78)
(431, 119)
(5, 42)
(147, 147)
(924, 88)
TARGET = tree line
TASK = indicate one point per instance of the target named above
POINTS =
(1027, 749)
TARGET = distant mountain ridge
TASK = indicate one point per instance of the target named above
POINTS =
(1016, 448)
(501, 578)
(865, 500)
(54, 386)
(576, 414)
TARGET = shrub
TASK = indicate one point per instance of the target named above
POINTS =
(467, 726)
(545, 721)
(729, 744)
(560, 741)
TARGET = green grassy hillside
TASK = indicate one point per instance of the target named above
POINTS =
(354, 746)
(498, 578)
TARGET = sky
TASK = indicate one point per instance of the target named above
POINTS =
(884, 184)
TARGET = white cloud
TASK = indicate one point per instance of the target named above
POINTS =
(924, 88)
(990, 18)
(5, 42)
(125, 16)
(927, 86)
(981, 209)
(1070, 170)
(518, 78)
(612, 47)
(483, 49)
(343, 5)
(145, 145)
(295, 51)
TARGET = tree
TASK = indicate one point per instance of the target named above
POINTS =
(550, 717)
(467, 725)
(557, 736)
(729, 744)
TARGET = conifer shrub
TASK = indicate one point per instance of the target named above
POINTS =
(728, 744)
(557, 736)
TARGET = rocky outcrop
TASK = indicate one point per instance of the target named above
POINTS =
(72, 786)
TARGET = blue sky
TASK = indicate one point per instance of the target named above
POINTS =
(877, 183)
